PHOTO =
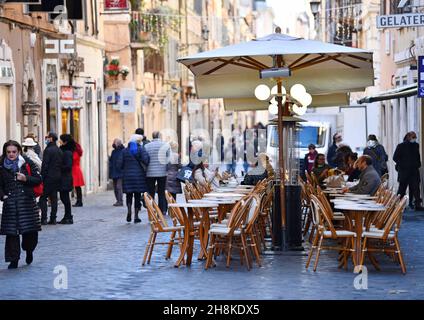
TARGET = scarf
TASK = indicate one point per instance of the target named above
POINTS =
(12, 165)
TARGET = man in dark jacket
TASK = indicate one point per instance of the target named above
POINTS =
(369, 179)
(377, 153)
(331, 155)
(140, 131)
(115, 171)
(408, 163)
(51, 172)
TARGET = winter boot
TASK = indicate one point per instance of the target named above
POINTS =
(136, 218)
(129, 214)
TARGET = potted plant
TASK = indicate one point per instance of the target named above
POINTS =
(113, 68)
(125, 71)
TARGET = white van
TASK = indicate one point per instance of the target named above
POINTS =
(317, 133)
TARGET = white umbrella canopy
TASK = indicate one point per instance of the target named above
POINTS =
(323, 68)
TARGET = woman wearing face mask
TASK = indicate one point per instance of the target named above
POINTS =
(321, 168)
(377, 153)
(20, 215)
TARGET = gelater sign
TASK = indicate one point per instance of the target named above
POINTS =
(400, 20)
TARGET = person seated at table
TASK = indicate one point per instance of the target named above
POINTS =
(321, 168)
(264, 160)
(369, 179)
(352, 171)
(203, 175)
(256, 174)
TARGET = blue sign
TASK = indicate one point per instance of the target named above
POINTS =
(421, 77)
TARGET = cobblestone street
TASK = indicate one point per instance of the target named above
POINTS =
(103, 253)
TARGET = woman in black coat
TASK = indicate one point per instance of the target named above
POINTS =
(68, 147)
(134, 161)
(20, 216)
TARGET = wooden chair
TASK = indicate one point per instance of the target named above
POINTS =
(221, 236)
(386, 239)
(326, 230)
(158, 224)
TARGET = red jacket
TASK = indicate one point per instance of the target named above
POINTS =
(76, 169)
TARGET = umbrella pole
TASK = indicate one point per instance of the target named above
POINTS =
(281, 112)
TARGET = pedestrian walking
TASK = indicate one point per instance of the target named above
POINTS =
(331, 155)
(36, 147)
(20, 215)
(159, 152)
(231, 155)
(115, 172)
(140, 131)
(77, 176)
(29, 146)
(51, 172)
(377, 153)
(133, 162)
(68, 147)
(172, 184)
(408, 162)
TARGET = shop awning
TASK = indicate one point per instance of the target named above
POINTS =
(401, 92)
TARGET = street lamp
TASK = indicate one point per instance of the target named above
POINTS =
(315, 6)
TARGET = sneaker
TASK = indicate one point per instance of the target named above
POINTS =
(118, 204)
(78, 204)
(13, 265)
(29, 257)
(52, 222)
(137, 220)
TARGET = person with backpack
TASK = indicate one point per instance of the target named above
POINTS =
(377, 153)
(133, 162)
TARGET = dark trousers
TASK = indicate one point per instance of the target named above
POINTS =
(137, 200)
(117, 188)
(174, 195)
(42, 203)
(412, 181)
(161, 185)
(66, 200)
(12, 247)
(78, 191)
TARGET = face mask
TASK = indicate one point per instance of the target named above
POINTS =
(413, 140)
(338, 144)
(371, 143)
(47, 141)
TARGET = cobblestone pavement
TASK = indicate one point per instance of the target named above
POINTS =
(103, 253)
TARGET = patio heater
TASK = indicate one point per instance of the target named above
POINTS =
(287, 230)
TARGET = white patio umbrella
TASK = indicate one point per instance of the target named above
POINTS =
(328, 72)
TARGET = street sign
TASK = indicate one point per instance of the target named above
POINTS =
(421, 77)
(400, 20)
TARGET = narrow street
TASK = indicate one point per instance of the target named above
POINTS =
(102, 254)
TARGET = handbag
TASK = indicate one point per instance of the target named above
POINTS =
(184, 174)
(38, 189)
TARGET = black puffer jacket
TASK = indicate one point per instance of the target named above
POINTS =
(51, 170)
(20, 211)
(67, 182)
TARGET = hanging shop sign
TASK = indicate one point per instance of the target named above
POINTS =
(116, 4)
(400, 20)
(127, 100)
(70, 97)
(421, 77)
